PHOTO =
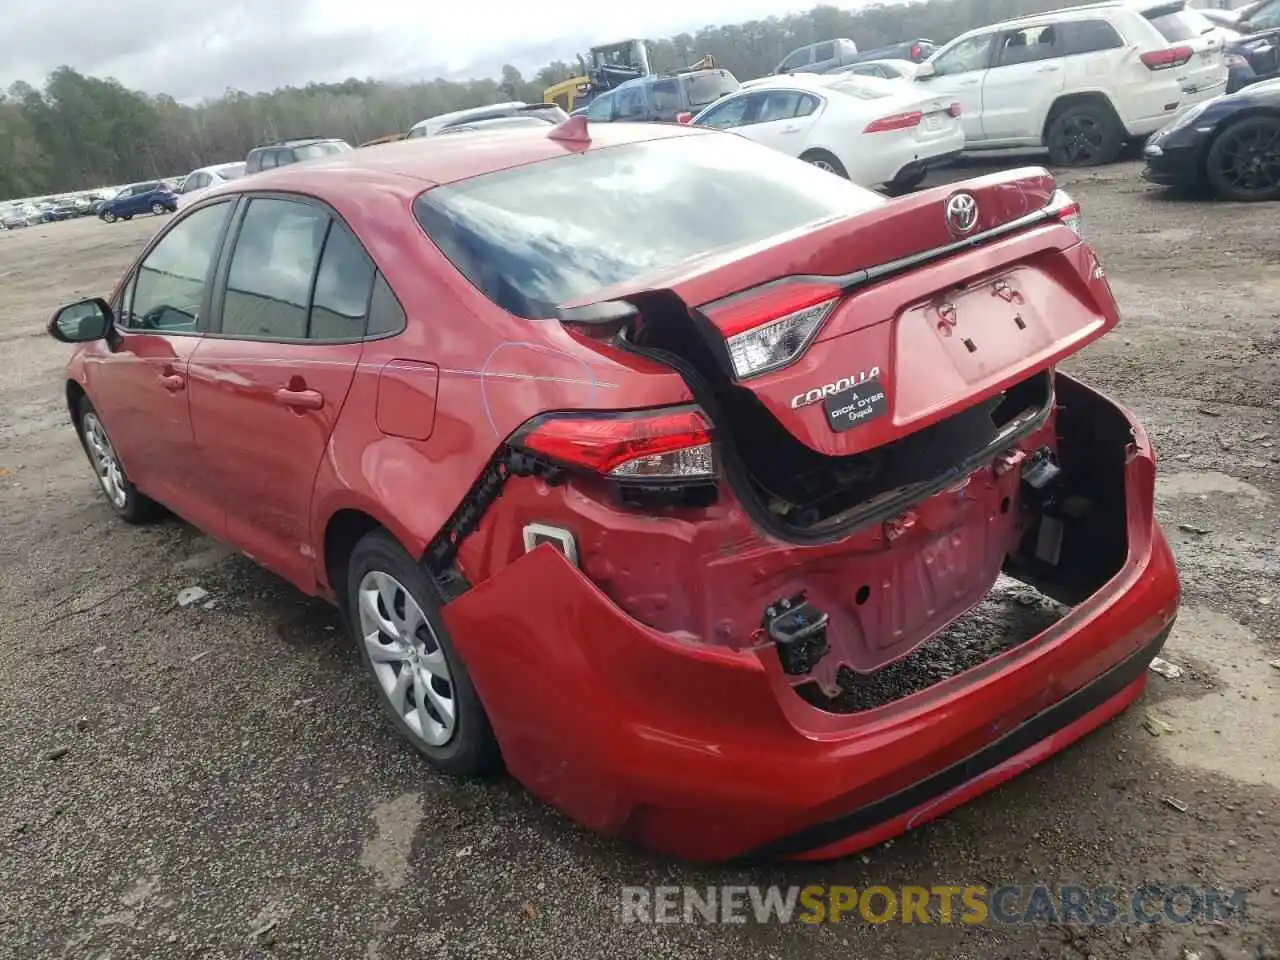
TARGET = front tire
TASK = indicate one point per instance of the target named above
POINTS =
(393, 610)
(1087, 135)
(109, 217)
(130, 504)
(1244, 162)
(825, 161)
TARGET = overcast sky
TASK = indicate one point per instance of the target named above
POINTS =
(197, 48)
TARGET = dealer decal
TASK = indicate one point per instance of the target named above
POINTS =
(857, 405)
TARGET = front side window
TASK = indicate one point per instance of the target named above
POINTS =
(541, 235)
(601, 109)
(796, 60)
(274, 260)
(268, 161)
(969, 54)
(824, 51)
(167, 292)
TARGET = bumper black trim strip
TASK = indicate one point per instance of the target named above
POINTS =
(1050, 720)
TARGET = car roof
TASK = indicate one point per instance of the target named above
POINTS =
(1137, 6)
(410, 166)
(467, 112)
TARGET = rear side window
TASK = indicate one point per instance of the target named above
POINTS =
(779, 105)
(343, 284)
(543, 234)
(1088, 36)
(1030, 44)
(824, 51)
(664, 95)
(1175, 22)
(275, 258)
(267, 160)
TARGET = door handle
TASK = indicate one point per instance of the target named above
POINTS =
(790, 129)
(173, 381)
(967, 83)
(1051, 68)
(300, 399)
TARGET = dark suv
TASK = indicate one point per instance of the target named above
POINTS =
(284, 152)
(667, 99)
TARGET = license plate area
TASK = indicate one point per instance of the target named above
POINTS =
(987, 328)
(933, 121)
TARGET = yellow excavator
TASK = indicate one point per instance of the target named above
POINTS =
(605, 67)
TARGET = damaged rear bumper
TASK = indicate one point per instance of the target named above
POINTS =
(708, 753)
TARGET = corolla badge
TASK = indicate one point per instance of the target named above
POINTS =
(961, 213)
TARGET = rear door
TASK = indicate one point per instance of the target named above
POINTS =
(824, 57)
(1025, 78)
(959, 71)
(269, 381)
(784, 120)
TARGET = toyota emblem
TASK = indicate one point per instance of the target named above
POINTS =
(962, 213)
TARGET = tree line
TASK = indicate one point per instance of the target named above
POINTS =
(80, 132)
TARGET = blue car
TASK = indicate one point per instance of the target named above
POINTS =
(153, 196)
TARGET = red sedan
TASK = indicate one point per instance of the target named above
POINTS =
(636, 456)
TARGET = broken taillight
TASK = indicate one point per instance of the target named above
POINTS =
(1066, 209)
(666, 444)
(770, 326)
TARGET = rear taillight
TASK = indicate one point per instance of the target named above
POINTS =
(769, 327)
(915, 51)
(672, 444)
(1165, 59)
(1066, 209)
(685, 117)
(954, 110)
(896, 121)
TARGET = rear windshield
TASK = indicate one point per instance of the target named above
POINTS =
(543, 234)
(1177, 23)
(233, 172)
(311, 151)
(863, 88)
(705, 88)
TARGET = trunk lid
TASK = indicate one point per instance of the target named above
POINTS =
(919, 318)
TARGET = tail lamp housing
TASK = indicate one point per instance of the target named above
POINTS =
(768, 327)
(665, 445)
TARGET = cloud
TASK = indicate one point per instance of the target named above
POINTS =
(196, 48)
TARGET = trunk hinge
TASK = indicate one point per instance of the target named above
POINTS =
(442, 552)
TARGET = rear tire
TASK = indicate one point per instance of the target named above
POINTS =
(1243, 164)
(907, 184)
(825, 161)
(130, 504)
(393, 612)
(1087, 135)
(158, 208)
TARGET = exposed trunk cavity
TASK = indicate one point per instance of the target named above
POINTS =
(802, 495)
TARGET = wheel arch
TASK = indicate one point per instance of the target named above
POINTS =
(342, 531)
(75, 393)
(1068, 100)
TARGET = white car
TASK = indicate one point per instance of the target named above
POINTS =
(1080, 81)
(206, 178)
(886, 69)
(874, 132)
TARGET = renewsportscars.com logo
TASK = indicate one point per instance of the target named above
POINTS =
(943, 905)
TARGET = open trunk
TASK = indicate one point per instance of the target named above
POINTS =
(866, 365)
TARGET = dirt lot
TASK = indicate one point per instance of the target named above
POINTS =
(230, 789)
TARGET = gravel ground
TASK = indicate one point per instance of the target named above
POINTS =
(218, 782)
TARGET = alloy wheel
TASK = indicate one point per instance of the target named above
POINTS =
(408, 661)
(823, 165)
(1249, 158)
(157, 208)
(105, 462)
(1082, 140)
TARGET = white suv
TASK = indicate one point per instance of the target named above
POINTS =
(1080, 81)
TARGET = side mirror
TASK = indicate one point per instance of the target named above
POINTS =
(81, 322)
(925, 71)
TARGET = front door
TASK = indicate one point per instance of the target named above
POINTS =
(958, 74)
(1027, 76)
(140, 385)
(267, 386)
